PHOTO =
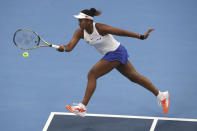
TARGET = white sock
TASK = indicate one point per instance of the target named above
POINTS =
(160, 96)
(82, 105)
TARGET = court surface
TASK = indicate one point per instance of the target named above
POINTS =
(32, 88)
(58, 121)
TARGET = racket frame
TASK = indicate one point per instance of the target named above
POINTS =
(39, 39)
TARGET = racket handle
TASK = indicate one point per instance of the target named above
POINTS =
(55, 46)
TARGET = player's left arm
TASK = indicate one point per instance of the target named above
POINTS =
(106, 29)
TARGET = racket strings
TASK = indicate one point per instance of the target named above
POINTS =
(26, 39)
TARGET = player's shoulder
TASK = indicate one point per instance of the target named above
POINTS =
(99, 25)
(79, 30)
(101, 28)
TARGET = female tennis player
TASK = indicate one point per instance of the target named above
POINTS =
(114, 56)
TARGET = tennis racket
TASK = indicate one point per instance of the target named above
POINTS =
(28, 39)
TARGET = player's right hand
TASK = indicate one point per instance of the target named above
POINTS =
(61, 48)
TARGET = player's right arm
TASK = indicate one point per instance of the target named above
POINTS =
(73, 42)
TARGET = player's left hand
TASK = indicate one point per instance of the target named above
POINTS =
(148, 33)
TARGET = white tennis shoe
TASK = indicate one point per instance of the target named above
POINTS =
(164, 100)
(77, 109)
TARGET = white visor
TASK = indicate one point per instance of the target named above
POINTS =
(83, 16)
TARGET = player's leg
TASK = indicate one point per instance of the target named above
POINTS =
(98, 70)
(129, 71)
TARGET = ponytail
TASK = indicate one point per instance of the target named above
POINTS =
(92, 12)
(95, 12)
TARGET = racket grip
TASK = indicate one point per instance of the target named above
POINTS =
(55, 46)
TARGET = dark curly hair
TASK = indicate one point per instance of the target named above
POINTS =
(91, 12)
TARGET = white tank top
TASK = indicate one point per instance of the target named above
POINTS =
(103, 44)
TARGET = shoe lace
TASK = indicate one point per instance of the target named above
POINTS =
(159, 102)
(77, 104)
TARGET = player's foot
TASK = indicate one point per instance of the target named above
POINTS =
(164, 100)
(78, 109)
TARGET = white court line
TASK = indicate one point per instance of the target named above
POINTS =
(48, 121)
(126, 116)
(154, 124)
(155, 119)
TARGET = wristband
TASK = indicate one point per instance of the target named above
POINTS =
(139, 36)
(142, 37)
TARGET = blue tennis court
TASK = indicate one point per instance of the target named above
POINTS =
(35, 90)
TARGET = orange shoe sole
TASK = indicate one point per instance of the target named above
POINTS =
(68, 107)
(165, 110)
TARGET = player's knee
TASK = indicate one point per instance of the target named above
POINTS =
(92, 74)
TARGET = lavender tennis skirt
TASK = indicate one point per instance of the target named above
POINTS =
(120, 54)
